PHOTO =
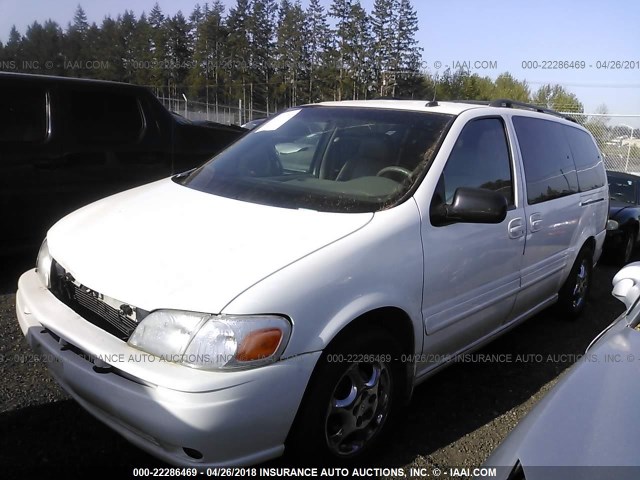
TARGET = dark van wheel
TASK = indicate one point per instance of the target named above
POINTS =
(573, 295)
(349, 401)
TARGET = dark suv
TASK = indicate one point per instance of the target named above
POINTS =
(66, 142)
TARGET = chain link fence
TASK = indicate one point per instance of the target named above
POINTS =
(202, 111)
(618, 137)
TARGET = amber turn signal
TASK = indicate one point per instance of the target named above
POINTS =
(259, 345)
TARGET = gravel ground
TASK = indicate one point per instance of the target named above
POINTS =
(455, 419)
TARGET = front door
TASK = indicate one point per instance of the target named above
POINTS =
(472, 271)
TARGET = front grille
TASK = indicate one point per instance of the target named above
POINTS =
(94, 306)
(87, 298)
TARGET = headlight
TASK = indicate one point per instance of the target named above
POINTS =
(212, 342)
(43, 264)
(612, 225)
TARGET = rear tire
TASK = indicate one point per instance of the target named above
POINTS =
(349, 401)
(574, 294)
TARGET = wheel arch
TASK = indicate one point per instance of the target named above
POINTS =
(589, 243)
(394, 322)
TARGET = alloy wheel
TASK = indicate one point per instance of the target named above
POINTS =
(581, 285)
(359, 407)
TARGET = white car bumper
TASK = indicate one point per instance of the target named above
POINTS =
(227, 418)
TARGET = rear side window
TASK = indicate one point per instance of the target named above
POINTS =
(23, 115)
(586, 158)
(104, 117)
(548, 165)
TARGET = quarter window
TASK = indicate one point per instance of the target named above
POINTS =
(591, 173)
(479, 159)
(548, 165)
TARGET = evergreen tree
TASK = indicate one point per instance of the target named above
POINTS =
(111, 48)
(80, 23)
(195, 19)
(360, 52)
(42, 49)
(92, 45)
(13, 50)
(179, 51)
(262, 32)
(383, 31)
(128, 25)
(75, 47)
(142, 53)
(210, 51)
(292, 52)
(318, 44)
(158, 74)
(238, 55)
(407, 52)
(341, 10)
(197, 77)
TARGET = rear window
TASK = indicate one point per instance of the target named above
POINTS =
(548, 164)
(23, 115)
(591, 173)
(104, 117)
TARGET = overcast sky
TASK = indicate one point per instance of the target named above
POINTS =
(504, 32)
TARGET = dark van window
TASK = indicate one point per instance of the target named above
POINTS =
(100, 117)
(479, 159)
(587, 159)
(548, 165)
(23, 114)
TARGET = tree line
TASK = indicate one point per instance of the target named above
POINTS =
(269, 54)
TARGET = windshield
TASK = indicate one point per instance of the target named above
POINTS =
(622, 189)
(338, 159)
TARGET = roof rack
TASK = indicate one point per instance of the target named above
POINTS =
(506, 103)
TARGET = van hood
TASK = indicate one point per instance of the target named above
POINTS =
(164, 245)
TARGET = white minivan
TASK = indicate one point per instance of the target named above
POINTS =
(292, 291)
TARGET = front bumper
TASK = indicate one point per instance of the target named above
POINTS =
(175, 413)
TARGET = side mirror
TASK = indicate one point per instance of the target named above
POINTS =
(471, 205)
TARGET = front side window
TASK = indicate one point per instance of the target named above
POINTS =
(341, 159)
(548, 166)
(24, 115)
(479, 159)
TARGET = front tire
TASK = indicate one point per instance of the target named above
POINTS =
(350, 400)
(573, 295)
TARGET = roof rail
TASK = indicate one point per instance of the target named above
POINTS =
(506, 103)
